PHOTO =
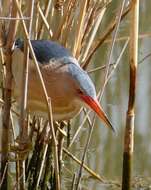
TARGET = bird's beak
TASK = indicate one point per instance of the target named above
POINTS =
(95, 106)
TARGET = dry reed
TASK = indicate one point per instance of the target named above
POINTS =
(129, 130)
(75, 25)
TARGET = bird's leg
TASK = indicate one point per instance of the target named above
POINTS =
(60, 144)
(68, 133)
(22, 143)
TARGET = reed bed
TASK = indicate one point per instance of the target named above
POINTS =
(76, 25)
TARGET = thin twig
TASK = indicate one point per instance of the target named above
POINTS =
(73, 182)
(84, 154)
(99, 68)
(123, 38)
(144, 58)
(42, 166)
(3, 176)
(95, 175)
(15, 18)
(112, 45)
(86, 118)
(114, 67)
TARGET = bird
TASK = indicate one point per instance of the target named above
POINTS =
(68, 85)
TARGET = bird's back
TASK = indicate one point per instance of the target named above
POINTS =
(45, 50)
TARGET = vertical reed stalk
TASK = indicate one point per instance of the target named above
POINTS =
(7, 99)
(77, 44)
(23, 136)
(129, 130)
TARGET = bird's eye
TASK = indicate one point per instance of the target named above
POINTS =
(79, 91)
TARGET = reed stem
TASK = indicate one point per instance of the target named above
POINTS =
(129, 130)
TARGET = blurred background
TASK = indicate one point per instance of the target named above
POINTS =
(105, 151)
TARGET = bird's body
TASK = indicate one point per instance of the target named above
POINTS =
(69, 87)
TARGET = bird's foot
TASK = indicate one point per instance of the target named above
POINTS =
(22, 147)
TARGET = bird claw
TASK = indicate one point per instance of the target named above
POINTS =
(22, 147)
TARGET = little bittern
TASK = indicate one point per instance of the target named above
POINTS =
(68, 85)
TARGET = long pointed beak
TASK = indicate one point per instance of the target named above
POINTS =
(95, 106)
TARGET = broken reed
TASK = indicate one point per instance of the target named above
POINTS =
(129, 129)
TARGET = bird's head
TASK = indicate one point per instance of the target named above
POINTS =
(85, 91)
